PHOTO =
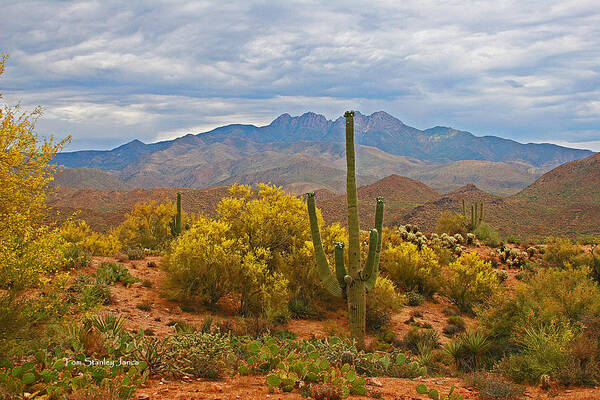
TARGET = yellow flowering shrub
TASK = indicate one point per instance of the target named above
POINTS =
(26, 254)
(207, 262)
(27, 248)
(147, 226)
(274, 220)
(412, 269)
(470, 280)
(78, 232)
(384, 296)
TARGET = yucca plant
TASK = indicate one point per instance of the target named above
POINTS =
(353, 282)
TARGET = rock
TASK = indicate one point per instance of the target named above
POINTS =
(136, 285)
(373, 382)
(177, 310)
(143, 397)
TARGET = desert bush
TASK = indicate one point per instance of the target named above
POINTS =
(79, 233)
(110, 273)
(417, 338)
(470, 281)
(412, 269)
(204, 263)
(382, 301)
(147, 226)
(200, 355)
(560, 252)
(28, 254)
(470, 351)
(272, 220)
(76, 256)
(207, 262)
(452, 223)
(494, 387)
(302, 309)
(543, 351)
(135, 253)
(487, 234)
(552, 294)
(414, 299)
(588, 239)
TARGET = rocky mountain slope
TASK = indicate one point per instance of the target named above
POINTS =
(307, 153)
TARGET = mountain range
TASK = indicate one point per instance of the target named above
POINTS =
(307, 152)
(564, 201)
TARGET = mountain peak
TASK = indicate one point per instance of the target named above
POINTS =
(133, 145)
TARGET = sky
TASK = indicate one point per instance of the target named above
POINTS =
(107, 72)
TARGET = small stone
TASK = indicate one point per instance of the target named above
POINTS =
(374, 382)
(143, 397)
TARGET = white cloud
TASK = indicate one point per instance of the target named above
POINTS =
(149, 70)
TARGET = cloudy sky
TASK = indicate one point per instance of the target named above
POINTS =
(107, 72)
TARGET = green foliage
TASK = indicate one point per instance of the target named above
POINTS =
(494, 387)
(560, 252)
(412, 269)
(543, 351)
(110, 273)
(382, 301)
(470, 351)
(199, 355)
(147, 226)
(414, 298)
(76, 256)
(417, 338)
(470, 281)
(452, 223)
(568, 295)
(487, 234)
(435, 395)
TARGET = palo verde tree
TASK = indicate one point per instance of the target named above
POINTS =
(351, 283)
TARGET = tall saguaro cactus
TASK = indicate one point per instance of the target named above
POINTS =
(351, 282)
(476, 214)
(176, 222)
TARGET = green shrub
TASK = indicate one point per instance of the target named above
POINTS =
(414, 299)
(494, 387)
(412, 269)
(135, 253)
(110, 273)
(452, 223)
(147, 226)
(200, 355)
(543, 351)
(76, 256)
(568, 295)
(487, 235)
(417, 338)
(560, 252)
(470, 281)
(470, 351)
(302, 309)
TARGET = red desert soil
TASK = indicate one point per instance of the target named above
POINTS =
(239, 387)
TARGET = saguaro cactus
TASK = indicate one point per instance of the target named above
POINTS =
(476, 214)
(351, 282)
(176, 222)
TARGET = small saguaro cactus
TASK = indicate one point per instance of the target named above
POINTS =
(175, 224)
(351, 283)
(476, 214)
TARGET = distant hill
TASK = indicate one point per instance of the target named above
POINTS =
(104, 209)
(88, 178)
(307, 152)
(564, 201)
(400, 193)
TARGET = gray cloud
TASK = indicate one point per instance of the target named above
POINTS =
(107, 71)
